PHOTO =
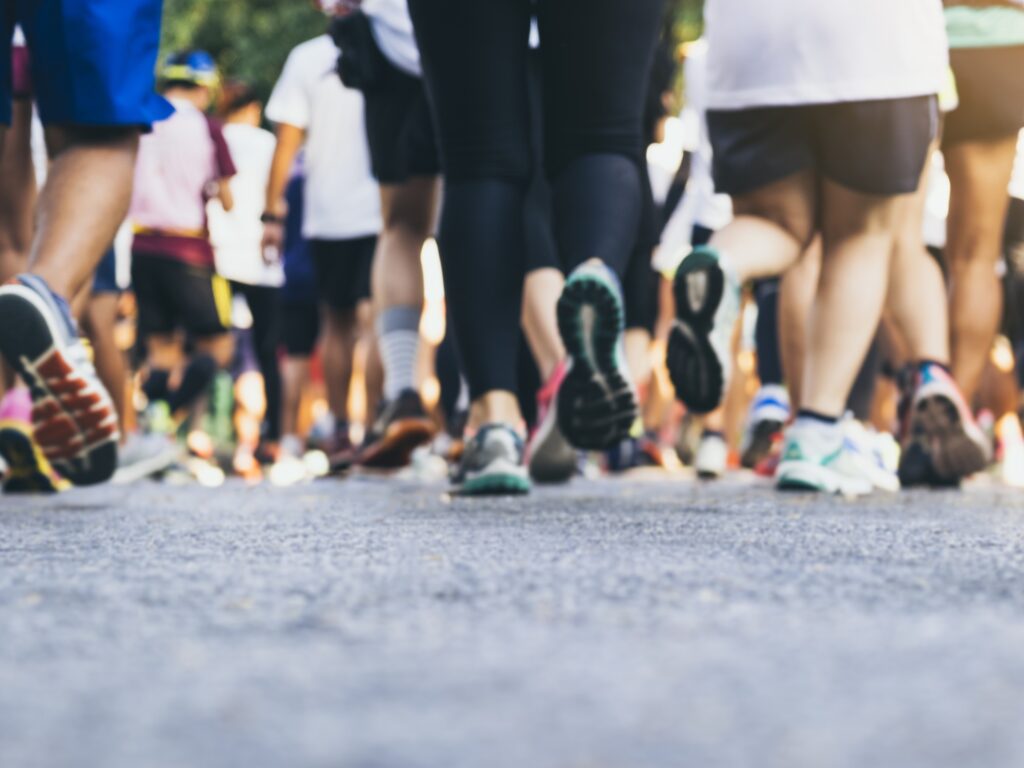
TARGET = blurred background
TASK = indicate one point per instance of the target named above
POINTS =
(252, 38)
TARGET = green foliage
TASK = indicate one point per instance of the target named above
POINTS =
(250, 39)
(689, 18)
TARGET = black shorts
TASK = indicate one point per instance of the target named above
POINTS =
(343, 270)
(300, 327)
(399, 127)
(990, 82)
(871, 147)
(172, 295)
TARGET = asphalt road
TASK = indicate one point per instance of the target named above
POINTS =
(364, 623)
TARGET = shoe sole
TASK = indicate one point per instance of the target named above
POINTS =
(693, 366)
(500, 478)
(394, 450)
(761, 440)
(28, 471)
(805, 476)
(74, 423)
(552, 459)
(940, 453)
(597, 405)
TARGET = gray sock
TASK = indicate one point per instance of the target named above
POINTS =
(398, 336)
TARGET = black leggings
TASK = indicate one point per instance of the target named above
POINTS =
(265, 306)
(596, 59)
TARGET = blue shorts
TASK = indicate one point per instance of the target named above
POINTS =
(92, 61)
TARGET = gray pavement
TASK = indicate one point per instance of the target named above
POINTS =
(363, 623)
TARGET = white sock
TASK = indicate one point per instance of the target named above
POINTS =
(398, 336)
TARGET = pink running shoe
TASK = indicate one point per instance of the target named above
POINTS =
(550, 457)
(942, 444)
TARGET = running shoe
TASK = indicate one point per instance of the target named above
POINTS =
(145, 455)
(699, 346)
(942, 444)
(641, 452)
(768, 415)
(402, 425)
(73, 417)
(872, 450)
(28, 471)
(817, 458)
(596, 403)
(712, 457)
(492, 464)
(552, 459)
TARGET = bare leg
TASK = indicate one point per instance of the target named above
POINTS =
(17, 202)
(408, 211)
(772, 227)
(100, 318)
(796, 300)
(17, 192)
(638, 355)
(339, 343)
(541, 291)
(979, 173)
(858, 238)
(917, 301)
(220, 347)
(77, 217)
(295, 377)
(372, 367)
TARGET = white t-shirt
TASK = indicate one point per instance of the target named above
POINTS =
(792, 52)
(392, 29)
(342, 199)
(236, 234)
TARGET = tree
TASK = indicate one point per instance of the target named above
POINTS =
(250, 39)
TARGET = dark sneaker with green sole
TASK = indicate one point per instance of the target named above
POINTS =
(597, 403)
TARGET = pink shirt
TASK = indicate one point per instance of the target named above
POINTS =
(176, 162)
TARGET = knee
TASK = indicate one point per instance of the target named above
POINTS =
(794, 220)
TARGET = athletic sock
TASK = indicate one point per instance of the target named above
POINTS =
(398, 336)
(198, 375)
(156, 386)
(813, 417)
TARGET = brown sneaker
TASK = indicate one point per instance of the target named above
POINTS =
(402, 425)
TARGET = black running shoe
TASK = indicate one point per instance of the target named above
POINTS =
(597, 404)
(402, 425)
(699, 346)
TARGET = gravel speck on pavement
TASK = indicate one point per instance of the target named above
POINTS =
(605, 624)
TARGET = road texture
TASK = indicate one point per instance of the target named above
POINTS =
(619, 624)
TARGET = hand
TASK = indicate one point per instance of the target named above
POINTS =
(272, 242)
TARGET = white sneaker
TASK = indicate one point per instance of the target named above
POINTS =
(815, 457)
(712, 457)
(873, 452)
